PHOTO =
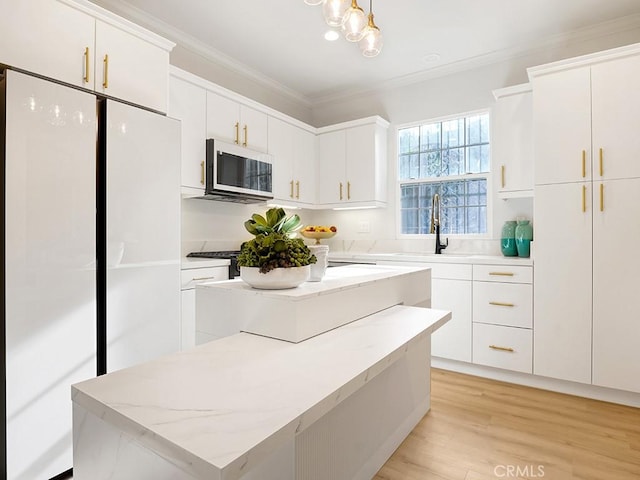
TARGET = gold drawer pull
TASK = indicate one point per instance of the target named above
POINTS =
(340, 190)
(202, 172)
(298, 189)
(202, 278)
(105, 77)
(86, 65)
(502, 175)
(584, 198)
(584, 163)
(502, 274)
(291, 192)
(601, 163)
(237, 140)
(602, 197)
(246, 137)
(502, 349)
(501, 304)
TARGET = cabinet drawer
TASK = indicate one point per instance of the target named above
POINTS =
(193, 276)
(503, 347)
(509, 304)
(443, 271)
(503, 273)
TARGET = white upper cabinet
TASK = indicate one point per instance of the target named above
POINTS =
(49, 38)
(293, 151)
(615, 106)
(188, 103)
(562, 126)
(233, 122)
(331, 167)
(512, 141)
(585, 123)
(88, 47)
(130, 68)
(352, 163)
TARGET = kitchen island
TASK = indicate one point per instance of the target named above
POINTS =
(345, 294)
(251, 407)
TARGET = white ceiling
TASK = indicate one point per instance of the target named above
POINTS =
(282, 41)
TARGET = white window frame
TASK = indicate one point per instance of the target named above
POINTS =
(488, 176)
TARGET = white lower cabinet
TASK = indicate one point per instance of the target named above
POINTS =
(616, 302)
(450, 290)
(190, 277)
(503, 317)
(498, 346)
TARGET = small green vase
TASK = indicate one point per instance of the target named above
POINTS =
(524, 236)
(508, 239)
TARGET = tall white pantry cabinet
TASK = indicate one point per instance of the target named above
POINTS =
(587, 197)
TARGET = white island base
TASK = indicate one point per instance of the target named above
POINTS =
(249, 407)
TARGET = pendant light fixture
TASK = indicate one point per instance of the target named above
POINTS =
(355, 22)
(371, 42)
(356, 27)
(334, 11)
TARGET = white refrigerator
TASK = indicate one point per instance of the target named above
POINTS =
(90, 256)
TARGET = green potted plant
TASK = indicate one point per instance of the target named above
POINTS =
(274, 258)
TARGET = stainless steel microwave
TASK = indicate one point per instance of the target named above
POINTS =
(237, 174)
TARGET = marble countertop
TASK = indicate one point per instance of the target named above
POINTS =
(219, 409)
(335, 279)
(430, 258)
(188, 263)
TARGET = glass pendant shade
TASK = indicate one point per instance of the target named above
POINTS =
(313, 2)
(355, 21)
(334, 11)
(371, 42)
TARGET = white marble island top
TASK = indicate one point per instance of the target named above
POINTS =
(218, 410)
(296, 314)
(335, 279)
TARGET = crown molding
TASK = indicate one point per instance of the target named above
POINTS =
(111, 18)
(206, 51)
(198, 47)
(630, 22)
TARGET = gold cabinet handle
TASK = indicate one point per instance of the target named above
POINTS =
(501, 304)
(584, 198)
(86, 65)
(502, 175)
(340, 190)
(105, 79)
(291, 191)
(237, 140)
(502, 349)
(584, 163)
(298, 189)
(602, 197)
(196, 279)
(502, 274)
(601, 163)
(348, 190)
(202, 172)
(245, 129)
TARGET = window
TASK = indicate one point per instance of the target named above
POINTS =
(451, 158)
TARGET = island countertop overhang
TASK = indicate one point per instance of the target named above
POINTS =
(222, 406)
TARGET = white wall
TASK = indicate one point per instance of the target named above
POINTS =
(208, 225)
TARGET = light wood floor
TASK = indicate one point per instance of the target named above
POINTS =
(480, 429)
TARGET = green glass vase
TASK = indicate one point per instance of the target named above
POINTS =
(524, 236)
(508, 239)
